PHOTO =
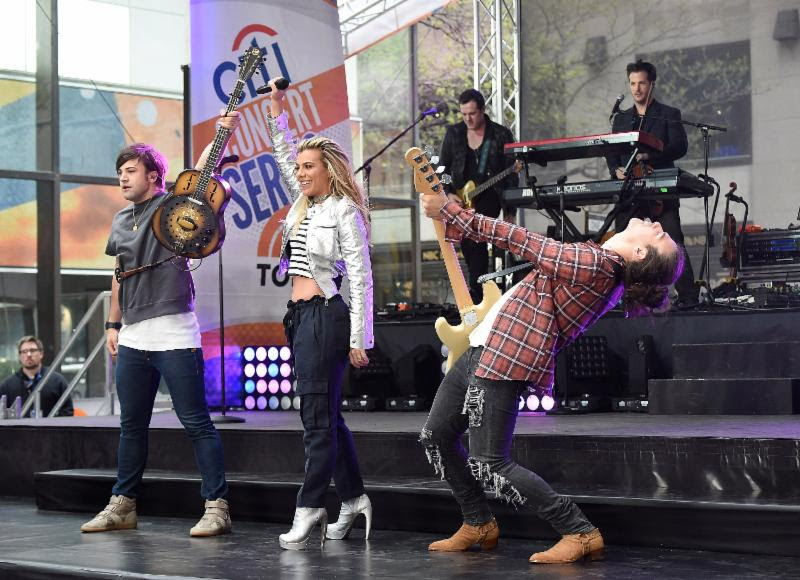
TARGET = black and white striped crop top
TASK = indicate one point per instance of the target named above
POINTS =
(298, 256)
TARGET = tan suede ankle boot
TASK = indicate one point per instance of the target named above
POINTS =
(573, 547)
(467, 536)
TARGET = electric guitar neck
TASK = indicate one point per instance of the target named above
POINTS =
(455, 338)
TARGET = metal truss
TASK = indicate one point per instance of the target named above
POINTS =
(353, 14)
(496, 59)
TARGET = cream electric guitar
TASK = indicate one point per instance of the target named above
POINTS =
(455, 338)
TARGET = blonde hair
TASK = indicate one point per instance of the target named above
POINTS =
(342, 181)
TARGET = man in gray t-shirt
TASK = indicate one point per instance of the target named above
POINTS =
(153, 332)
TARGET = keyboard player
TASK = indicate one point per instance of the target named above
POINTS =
(653, 117)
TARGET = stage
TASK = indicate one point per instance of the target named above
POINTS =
(660, 485)
(678, 482)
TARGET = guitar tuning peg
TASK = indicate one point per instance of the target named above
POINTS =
(435, 159)
(445, 178)
(428, 151)
(440, 169)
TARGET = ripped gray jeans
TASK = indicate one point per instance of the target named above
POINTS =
(489, 410)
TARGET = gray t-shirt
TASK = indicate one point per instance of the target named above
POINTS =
(167, 289)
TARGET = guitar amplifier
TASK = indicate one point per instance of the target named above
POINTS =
(770, 256)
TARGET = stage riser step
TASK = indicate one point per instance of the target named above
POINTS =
(625, 521)
(724, 396)
(736, 360)
(686, 465)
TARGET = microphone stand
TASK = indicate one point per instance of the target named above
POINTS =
(222, 417)
(704, 129)
(366, 167)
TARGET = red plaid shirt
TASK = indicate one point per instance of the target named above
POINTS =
(570, 287)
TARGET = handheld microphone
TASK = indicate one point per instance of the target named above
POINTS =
(281, 83)
(615, 110)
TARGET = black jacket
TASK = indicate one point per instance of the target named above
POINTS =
(672, 135)
(453, 157)
(17, 386)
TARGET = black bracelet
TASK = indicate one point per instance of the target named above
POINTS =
(114, 325)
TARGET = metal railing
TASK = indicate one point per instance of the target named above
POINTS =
(35, 398)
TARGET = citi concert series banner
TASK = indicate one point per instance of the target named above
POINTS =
(301, 42)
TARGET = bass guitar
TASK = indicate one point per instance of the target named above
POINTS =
(190, 221)
(470, 191)
(455, 338)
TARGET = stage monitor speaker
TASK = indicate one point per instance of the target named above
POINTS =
(587, 375)
(418, 372)
(374, 380)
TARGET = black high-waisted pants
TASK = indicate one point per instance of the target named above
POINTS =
(318, 331)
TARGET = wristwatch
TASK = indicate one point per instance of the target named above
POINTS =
(114, 325)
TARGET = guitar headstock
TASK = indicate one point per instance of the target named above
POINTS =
(425, 178)
(249, 62)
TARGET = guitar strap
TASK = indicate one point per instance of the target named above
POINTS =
(504, 272)
(485, 146)
(121, 274)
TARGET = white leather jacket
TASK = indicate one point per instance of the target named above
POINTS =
(336, 241)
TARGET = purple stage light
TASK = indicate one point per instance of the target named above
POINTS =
(273, 386)
(261, 386)
(249, 403)
(261, 403)
(286, 387)
(532, 402)
(274, 403)
(261, 370)
(286, 369)
(548, 403)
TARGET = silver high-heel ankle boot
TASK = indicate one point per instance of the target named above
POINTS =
(305, 520)
(347, 516)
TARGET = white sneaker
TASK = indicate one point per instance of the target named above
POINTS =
(119, 514)
(215, 522)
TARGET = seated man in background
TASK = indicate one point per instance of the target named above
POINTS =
(24, 381)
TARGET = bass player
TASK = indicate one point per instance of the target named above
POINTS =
(514, 348)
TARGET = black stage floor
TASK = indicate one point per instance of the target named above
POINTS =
(37, 544)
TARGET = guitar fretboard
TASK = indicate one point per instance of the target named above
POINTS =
(218, 144)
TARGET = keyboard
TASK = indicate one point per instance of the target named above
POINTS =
(541, 152)
(668, 183)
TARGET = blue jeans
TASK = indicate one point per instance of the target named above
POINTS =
(138, 375)
(489, 410)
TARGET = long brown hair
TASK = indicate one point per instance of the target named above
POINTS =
(342, 181)
(647, 281)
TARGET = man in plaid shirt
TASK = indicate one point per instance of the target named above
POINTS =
(514, 348)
